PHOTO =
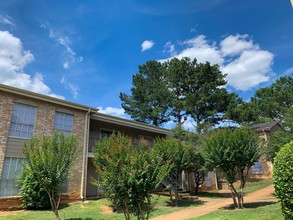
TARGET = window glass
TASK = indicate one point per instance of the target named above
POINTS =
(23, 121)
(256, 168)
(12, 168)
(106, 133)
(63, 123)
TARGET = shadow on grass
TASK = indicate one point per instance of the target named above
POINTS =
(251, 205)
(212, 194)
(185, 203)
(79, 219)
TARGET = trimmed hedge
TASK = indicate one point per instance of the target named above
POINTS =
(283, 179)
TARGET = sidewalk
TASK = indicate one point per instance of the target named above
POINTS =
(210, 205)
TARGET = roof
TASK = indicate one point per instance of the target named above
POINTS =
(95, 114)
(267, 126)
(46, 98)
(129, 123)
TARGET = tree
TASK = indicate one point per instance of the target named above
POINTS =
(178, 89)
(48, 161)
(193, 154)
(267, 104)
(233, 152)
(175, 151)
(177, 71)
(281, 137)
(283, 179)
(34, 196)
(150, 97)
(128, 173)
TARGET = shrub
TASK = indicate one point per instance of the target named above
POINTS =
(33, 195)
(283, 179)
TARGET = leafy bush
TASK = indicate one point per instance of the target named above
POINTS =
(33, 195)
(128, 173)
(283, 179)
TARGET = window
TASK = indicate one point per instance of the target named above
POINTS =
(23, 121)
(257, 168)
(63, 123)
(8, 183)
(106, 133)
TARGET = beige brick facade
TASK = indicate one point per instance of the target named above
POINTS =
(44, 127)
(86, 121)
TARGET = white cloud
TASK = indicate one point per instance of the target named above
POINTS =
(7, 20)
(250, 69)
(118, 112)
(13, 59)
(170, 48)
(73, 89)
(69, 56)
(236, 44)
(245, 63)
(146, 45)
(199, 48)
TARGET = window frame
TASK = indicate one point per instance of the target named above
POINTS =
(15, 114)
(58, 129)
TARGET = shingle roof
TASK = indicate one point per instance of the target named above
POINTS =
(267, 126)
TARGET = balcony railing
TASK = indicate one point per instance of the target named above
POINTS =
(92, 143)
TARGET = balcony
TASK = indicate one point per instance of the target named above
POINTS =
(92, 143)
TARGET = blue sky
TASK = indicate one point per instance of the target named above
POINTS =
(87, 51)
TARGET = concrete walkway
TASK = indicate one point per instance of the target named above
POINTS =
(210, 205)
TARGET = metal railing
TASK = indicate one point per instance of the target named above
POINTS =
(92, 143)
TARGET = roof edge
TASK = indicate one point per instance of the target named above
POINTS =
(46, 98)
(130, 123)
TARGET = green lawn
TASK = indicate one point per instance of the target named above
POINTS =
(259, 211)
(94, 210)
(250, 186)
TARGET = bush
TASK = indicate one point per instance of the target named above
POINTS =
(283, 179)
(33, 195)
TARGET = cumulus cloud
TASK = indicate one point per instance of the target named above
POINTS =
(250, 69)
(118, 112)
(73, 89)
(246, 64)
(146, 45)
(69, 56)
(7, 20)
(13, 59)
(236, 44)
(199, 48)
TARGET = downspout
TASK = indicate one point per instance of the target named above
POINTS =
(84, 156)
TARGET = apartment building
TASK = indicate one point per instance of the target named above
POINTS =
(24, 114)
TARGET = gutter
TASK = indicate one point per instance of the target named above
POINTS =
(84, 156)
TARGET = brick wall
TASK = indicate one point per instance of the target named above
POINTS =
(44, 126)
(10, 203)
(6, 102)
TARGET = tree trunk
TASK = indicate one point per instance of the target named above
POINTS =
(234, 196)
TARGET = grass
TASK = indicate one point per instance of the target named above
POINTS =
(250, 186)
(94, 210)
(259, 211)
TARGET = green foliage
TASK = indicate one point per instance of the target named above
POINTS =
(283, 179)
(268, 104)
(175, 151)
(176, 89)
(233, 152)
(129, 173)
(33, 195)
(48, 161)
(281, 137)
(150, 96)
